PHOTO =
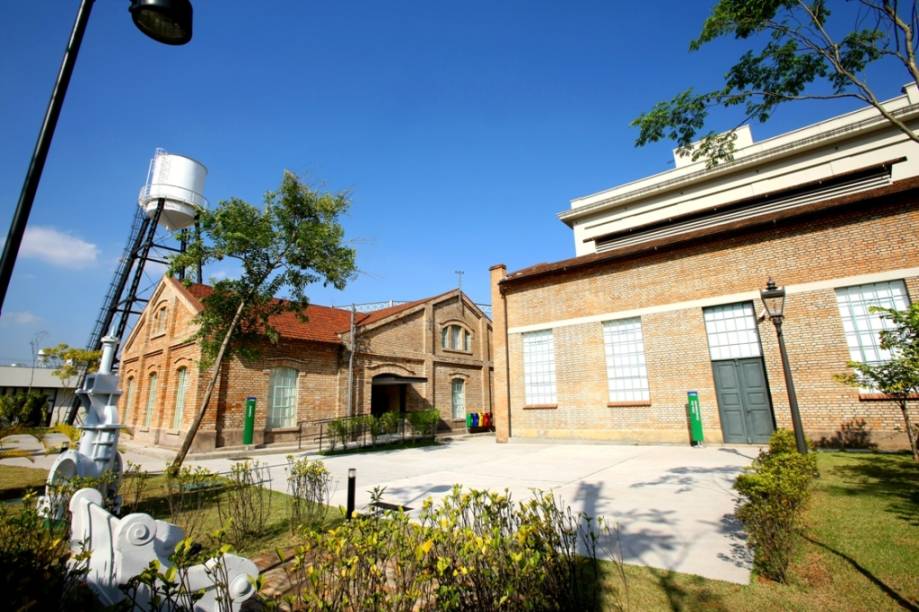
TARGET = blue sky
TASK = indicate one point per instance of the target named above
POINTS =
(460, 129)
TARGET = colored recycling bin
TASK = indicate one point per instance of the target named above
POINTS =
(476, 420)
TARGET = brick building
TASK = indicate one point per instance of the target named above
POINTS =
(662, 296)
(428, 353)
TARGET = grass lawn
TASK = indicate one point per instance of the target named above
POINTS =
(15, 479)
(154, 501)
(860, 549)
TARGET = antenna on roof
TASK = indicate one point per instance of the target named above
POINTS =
(459, 285)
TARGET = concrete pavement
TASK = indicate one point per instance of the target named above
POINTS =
(674, 505)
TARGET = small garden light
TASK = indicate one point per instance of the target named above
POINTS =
(352, 479)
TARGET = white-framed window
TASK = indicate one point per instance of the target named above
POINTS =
(626, 371)
(129, 399)
(539, 367)
(732, 331)
(458, 396)
(282, 407)
(181, 378)
(862, 327)
(456, 338)
(151, 399)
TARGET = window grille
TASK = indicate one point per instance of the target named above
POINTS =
(539, 367)
(626, 371)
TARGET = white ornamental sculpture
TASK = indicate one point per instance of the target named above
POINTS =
(97, 453)
(119, 549)
(122, 548)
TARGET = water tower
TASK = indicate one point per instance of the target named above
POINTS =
(171, 199)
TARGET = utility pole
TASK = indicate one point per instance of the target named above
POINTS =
(351, 365)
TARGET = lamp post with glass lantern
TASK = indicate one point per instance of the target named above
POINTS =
(774, 300)
(165, 21)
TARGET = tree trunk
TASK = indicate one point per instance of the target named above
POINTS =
(909, 430)
(193, 430)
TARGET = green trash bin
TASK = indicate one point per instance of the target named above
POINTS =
(468, 420)
(249, 421)
(695, 418)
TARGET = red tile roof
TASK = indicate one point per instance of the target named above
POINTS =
(378, 315)
(323, 324)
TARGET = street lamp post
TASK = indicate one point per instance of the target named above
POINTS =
(166, 21)
(774, 300)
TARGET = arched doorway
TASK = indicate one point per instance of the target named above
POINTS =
(388, 393)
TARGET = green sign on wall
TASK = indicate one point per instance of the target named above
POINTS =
(695, 417)
(249, 421)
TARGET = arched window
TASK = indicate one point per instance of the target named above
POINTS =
(181, 378)
(282, 403)
(456, 338)
(129, 400)
(151, 399)
(159, 320)
(458, 396)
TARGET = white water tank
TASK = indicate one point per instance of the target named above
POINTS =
(179, 181)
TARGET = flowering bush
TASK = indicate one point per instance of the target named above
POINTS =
(474, 550)
(309, 485)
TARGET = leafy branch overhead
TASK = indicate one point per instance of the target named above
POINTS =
(801, 47)
(294, 241)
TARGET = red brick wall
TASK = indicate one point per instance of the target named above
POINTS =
(858, 241)
(403, 346)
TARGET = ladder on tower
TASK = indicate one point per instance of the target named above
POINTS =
(111, 305)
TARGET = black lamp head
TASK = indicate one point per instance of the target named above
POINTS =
(165, 21)
(773, 298)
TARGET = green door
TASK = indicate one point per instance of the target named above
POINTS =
(743, 400)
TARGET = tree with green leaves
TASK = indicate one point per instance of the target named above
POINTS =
(70, 361)
(294, 241)
(802, 45)
(898, 377)
(24, 408)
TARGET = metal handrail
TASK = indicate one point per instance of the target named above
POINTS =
(359, 433)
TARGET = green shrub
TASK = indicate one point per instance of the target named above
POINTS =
(245, 505)
(389, 422)
(189, 492)
(36, 572)
(424, 422)
(773, 494)
(309, 486)
(474, 550)
(338, 432)
(24, 408)
(134, 485)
